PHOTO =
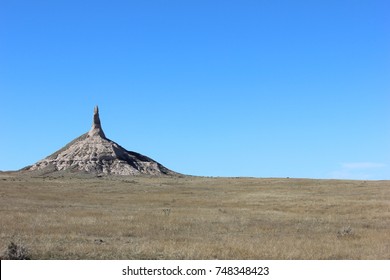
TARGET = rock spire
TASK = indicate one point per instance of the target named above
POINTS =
(96, 129)
(93, 153)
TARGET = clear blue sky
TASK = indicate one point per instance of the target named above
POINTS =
(216, 88)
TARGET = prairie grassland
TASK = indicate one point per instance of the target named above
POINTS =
(195, 218)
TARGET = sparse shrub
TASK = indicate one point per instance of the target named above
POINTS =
(167, 211)
(99, 241)
(345, 231)
(16, 251)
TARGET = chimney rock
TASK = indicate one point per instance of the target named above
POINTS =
(96, 129)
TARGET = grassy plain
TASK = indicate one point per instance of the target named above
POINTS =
(194, 218)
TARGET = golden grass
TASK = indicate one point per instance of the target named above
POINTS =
(195, 218)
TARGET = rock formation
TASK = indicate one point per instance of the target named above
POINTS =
(96, 129)
(93, 153)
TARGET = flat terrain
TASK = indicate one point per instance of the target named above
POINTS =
(194, 218)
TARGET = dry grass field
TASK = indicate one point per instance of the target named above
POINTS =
(194, 218)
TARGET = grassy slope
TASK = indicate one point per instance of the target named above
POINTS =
(195, 218)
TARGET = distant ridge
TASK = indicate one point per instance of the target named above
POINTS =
(93, 153)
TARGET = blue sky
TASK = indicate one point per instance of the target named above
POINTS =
(215, 88)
